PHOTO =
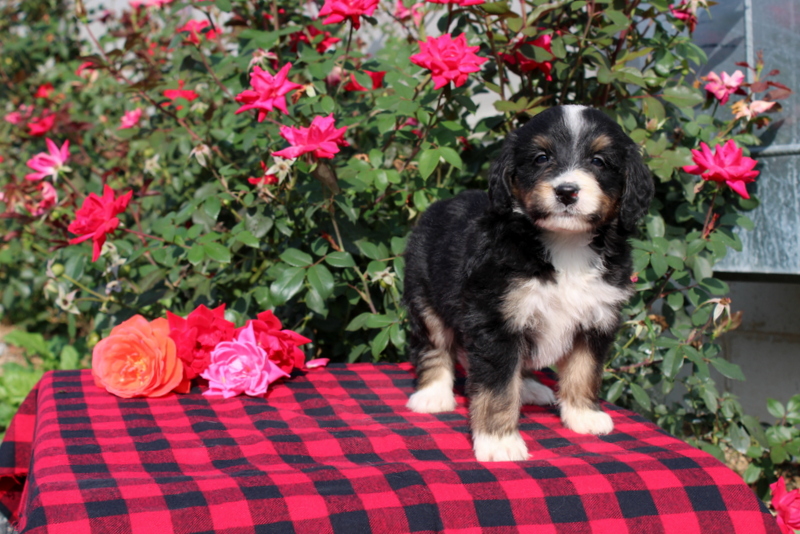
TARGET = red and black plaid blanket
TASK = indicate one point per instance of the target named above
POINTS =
(337, 451)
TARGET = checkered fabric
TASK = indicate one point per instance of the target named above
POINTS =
(337, 451)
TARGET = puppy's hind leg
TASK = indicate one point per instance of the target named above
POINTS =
(534, 392)
(431, 347)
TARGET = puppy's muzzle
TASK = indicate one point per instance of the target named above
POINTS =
(567, 193)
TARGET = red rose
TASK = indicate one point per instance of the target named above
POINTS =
(197, 335)
(97, 218)
(281, 345)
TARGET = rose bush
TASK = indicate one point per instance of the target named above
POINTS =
(262, 165)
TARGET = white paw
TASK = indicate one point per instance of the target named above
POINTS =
(586, 420)
(493, 448)
(432, 399)
(532, 392)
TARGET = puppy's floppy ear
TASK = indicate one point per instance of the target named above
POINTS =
(500, 175)
(638, 191)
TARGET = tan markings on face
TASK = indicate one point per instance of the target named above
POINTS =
(542, 141)
(578, 377)
(496, 412)
(600, 142)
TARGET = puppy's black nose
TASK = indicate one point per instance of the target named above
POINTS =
(567, 193)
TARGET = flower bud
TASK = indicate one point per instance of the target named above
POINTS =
(93, 339)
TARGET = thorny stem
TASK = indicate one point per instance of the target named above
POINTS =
(221, 85)
(500, 64)
(658, 292)
(709, 216)
(83, 287)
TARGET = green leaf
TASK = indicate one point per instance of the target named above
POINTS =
(196, 254)
(248, 239)
(321, 279)
(69, 358)
(673, 361)
(496, 8)
(451, 157)
(369, 250)
(755, 429)
(428, 161)
(775, 408)
(34, 344)
(288, 283)
(315, 302)
(715, 286)
(296, 258)
(752, 474)
(340, 259)
(728, 369)
(738, 438)
(675, 300)
(640, 396)
(778, 454)
(379, 321)
(358, 322)
(217, 252)
(379, 343)
(257, 224)
(683, 96)
(397, 334)
(655, 226)
(398, 245)
(212, 206)
(701, 268)
(659, 263)
(615, 391)
(710, 398)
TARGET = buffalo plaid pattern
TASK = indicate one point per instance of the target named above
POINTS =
(335, 450)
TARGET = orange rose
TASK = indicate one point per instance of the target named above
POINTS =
(137, 359)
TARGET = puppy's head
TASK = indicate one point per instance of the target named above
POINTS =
(571, 169)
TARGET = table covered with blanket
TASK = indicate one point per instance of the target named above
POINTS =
(335, 450)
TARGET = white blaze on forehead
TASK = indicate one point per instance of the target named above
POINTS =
(573, 116)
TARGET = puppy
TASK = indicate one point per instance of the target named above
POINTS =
(530, 275)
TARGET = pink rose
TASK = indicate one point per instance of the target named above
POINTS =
(787, 506)
(448, 59)
(49, 163)
(240, 366)
(724, 164)
(322, 138)
(336, 11)
(268, 92)
(722, 87)
(130, 119)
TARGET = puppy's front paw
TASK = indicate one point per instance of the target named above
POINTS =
(432, 399)
(586, 420)
(493, 448)
(533, 392)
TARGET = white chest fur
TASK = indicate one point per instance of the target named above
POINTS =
(551, 312)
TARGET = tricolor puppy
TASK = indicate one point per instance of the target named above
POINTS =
(530, 275)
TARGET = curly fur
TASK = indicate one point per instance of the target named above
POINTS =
(530, 275)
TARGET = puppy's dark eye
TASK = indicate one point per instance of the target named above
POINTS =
(598, 162)
(541, 159)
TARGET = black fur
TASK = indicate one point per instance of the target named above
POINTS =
(466, 252)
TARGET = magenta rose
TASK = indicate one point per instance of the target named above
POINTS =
(240, 366)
